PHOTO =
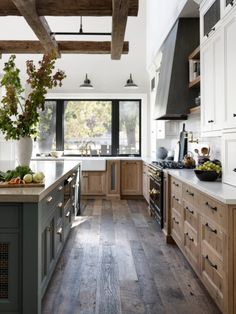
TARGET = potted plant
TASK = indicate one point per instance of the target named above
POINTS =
(19, 115)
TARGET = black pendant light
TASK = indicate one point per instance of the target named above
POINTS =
(87, 83)
(130, 83)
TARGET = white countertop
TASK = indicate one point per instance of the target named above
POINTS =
(222, 192)
(54, 171)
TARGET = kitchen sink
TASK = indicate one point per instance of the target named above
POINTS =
(93, 164)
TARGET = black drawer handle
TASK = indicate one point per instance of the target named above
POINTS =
(190, 193)
(189, 210)
(212, 30)
(176, 184)
(234, 115)
(210, 121)
(175, 221)
(231, 2)
(209, 262)
(211, 207)
(175, 198)
(234, 170)
(190, 238)
(209, 228)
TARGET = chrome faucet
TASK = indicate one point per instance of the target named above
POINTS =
(86, 147)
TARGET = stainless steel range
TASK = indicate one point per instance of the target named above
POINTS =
(156, 193)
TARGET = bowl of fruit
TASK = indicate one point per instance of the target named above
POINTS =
(209, 171)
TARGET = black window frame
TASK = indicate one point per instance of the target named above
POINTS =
(60, 105)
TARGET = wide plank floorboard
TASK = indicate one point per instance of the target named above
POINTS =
(116, 261)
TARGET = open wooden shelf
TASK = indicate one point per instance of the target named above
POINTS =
(195, 55)
(196, 109)
(195, 83)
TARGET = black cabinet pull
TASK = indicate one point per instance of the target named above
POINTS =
(175, 198)
(234, 170)
(175, 221)
(210, 121)
(191, 239)
(190, 193)
(231, 2)
(234, 115)
(212, 30)
(209, 262)
(190, 210)
(209, 228)
(176, 184)
(211, 207)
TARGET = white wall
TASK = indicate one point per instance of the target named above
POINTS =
(161, 16)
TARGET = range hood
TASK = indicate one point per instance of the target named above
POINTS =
(173, 96)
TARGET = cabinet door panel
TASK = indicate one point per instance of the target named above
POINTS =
(131, 180)
(9, 273)
(229, 162)
(230, 70)
(207, 90)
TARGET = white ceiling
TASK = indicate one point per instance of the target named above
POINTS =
(107, 75)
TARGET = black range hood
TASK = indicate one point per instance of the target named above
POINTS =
(174, 97)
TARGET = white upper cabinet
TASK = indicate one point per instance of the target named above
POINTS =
(229, 160)
(212, 84)
(210, 15)
(227, 6)
(229, 27)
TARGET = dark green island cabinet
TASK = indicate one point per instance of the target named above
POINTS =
(34, 226)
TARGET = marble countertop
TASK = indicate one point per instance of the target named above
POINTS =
(54, 171)
(81, 158)
(222, 192)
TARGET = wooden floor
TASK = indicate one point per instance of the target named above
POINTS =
(116, 261)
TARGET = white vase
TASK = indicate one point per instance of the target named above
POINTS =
(24, 148)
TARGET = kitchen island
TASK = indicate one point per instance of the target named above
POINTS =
(34, 225)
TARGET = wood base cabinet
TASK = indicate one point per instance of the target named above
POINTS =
(205, 231)
(131, 177)
(93, 183)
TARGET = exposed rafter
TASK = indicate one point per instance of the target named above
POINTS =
(67, 47)
(119, 21)
(69, 8)
(38, 24)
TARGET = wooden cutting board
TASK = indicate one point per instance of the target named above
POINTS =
(26, 185)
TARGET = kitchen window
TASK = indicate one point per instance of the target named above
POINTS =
(90, 127)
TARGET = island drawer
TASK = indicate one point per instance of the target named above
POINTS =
(53, 201)
(9, 216)
(215, 210)
(176, 227)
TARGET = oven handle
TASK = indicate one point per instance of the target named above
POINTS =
(155, 180)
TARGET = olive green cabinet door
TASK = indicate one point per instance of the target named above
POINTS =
(9, 273)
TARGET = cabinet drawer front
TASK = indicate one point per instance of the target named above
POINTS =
(176, 227)
(213, 236)
(212, 274)
(190, 215)
(191, 244)
(191, 195)
(214, 210)
(176, 203)
(176, 187)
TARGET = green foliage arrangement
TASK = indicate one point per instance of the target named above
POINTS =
(19, 116)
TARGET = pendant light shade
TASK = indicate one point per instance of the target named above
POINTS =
(87, 83)
(130, 83)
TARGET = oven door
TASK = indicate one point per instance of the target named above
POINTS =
(156, 199)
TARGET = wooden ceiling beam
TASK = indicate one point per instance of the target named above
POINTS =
(65, 47)
(119, 22)
(38, 24)
(69, 8)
